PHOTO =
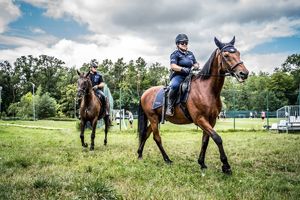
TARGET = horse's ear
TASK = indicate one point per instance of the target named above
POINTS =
(232, 41)
(78, 72)
(87, 74)
(219, 44)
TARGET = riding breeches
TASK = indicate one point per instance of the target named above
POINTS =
(176, 81)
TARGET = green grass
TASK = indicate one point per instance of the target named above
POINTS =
(50, 164)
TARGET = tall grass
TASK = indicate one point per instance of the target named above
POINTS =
(50, 164)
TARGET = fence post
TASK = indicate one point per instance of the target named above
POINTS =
(233, 109)
(267, 110)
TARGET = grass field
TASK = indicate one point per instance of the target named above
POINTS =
(40, 163)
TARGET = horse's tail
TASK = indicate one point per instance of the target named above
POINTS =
(142, 123)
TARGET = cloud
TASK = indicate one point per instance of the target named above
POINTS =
(37, 30)
(8, 13)
(264, 62)
(131, 29)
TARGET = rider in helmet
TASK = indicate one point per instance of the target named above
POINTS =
(181, 62)
(98, 83)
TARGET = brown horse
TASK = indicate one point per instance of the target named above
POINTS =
(204, 103)
(90, 108)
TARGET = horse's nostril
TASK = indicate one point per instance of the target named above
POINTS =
(243, 75)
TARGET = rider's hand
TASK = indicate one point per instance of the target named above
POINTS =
(185, 70)
(196, 65)
(95, 87)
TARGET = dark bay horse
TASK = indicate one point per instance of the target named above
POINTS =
(204, 103)
(90, 108)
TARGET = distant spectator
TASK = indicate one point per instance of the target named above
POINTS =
(251, 114)
(263, 115)
(130, 118)
(118, 119)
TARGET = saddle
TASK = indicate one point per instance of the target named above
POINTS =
(183, 93)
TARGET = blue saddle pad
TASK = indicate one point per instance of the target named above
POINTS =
(159, 98)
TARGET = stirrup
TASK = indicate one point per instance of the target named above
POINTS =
(171, 113)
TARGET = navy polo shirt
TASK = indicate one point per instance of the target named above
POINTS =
(96, 78)
(183, 59)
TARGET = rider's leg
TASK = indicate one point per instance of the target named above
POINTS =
(105, 102)
(174, 86)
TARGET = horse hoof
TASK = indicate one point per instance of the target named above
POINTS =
(203, 166)
(91, 148)
(140, 157)
(169, 162)
(226, 170)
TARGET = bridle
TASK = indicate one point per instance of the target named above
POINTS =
(82, 92)
(224, 59)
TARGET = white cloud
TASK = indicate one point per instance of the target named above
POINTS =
(37, 30)
(147, 29)
(264, 62)
(8, 13)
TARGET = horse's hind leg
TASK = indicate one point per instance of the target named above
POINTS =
(158, 141)
(201, 160)
(143, 141)
(82, 127)
(106, 125)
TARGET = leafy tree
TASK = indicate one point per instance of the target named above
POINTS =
(50, 73)
(67, 100)
(46, 106)
(10, 85)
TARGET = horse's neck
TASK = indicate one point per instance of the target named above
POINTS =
(215, 82)
(88, 98)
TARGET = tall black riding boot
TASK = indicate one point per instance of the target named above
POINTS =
(171, 102)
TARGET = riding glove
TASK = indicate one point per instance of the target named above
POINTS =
(95, 87)
(185, 70)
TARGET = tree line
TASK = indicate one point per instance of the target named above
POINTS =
(55, 85)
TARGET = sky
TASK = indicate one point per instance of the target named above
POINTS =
(76, 31)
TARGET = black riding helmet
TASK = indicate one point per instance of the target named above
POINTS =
(94, 64)
(181, 38)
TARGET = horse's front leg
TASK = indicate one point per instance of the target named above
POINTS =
(82, 127)
(218, 140)
(93, 135)
(201, 160)
(205, 125)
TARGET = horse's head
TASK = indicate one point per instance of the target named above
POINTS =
(230, 60)
(83, 84)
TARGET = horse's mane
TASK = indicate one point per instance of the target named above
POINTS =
(206, 70)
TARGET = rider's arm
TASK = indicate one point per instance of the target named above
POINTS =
(174, 60)
(196, 64)
(101, 85)
(175, 67)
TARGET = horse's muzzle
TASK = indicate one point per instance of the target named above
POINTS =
(241, 76)
(80, 94)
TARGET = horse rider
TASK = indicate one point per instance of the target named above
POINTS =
(181, 61)
(98, 84)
